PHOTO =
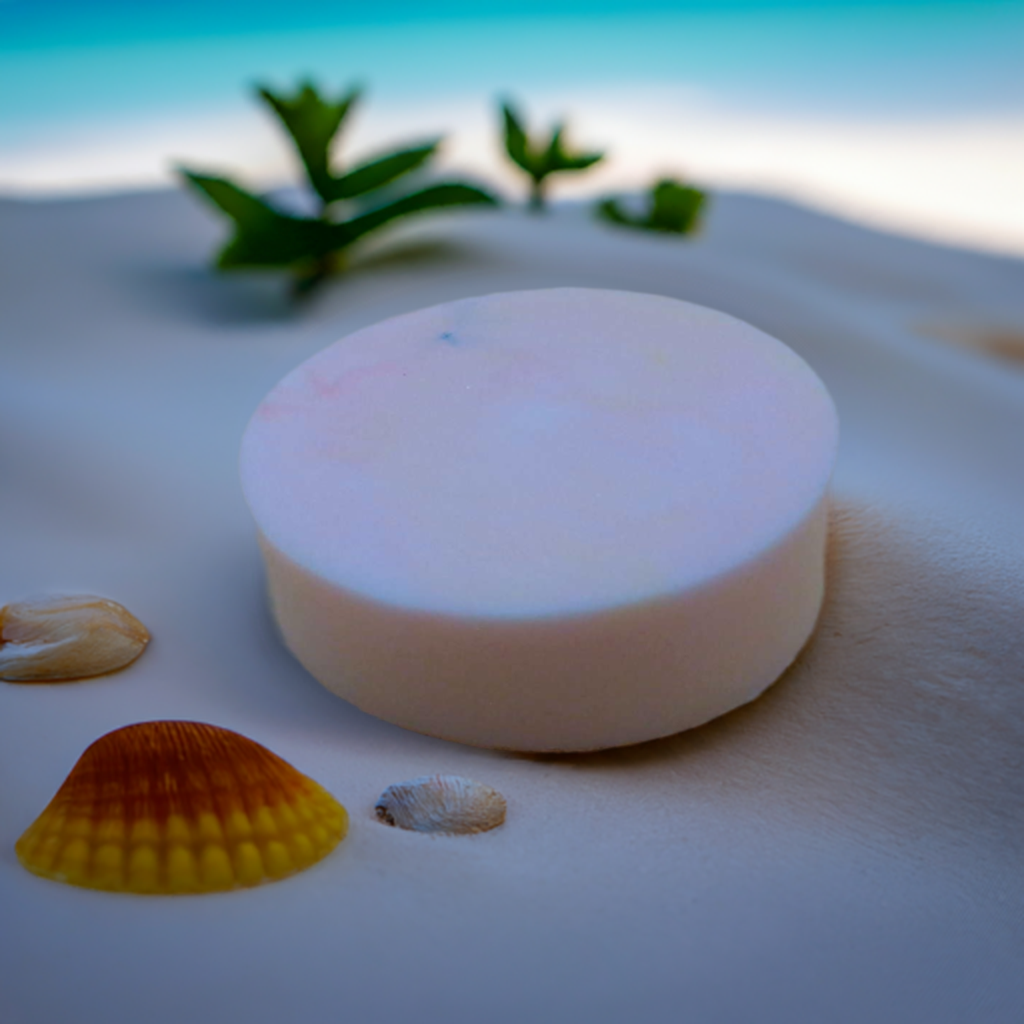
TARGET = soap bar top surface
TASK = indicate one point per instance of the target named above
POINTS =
(538, 453)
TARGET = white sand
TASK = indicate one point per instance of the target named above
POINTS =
(847, 848)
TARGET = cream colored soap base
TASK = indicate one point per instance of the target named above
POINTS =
(557, 520)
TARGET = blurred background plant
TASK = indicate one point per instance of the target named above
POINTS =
(541, 159)
(349, 205)
(672, 208)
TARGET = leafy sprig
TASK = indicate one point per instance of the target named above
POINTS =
(539, 159)
(313, 247)
(672, 208)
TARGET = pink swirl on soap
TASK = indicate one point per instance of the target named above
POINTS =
(329, 388)
(271, 411)
(316, 387)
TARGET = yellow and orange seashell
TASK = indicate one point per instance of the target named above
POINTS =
(181, 807)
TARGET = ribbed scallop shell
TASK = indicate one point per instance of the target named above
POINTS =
(444, 804)
(181, 807)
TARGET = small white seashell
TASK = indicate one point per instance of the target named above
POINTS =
(55, 638)
(444, 804)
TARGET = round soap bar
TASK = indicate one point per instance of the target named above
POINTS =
(548, 520)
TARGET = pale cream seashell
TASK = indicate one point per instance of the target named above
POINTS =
(57, 638)
(443, 804)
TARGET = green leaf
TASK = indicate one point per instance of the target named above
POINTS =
(263, 236)
(559, 159)
(609, 209)
(551, 158)
(673, 208)
(312, 123)
(579, 163)
(516, 144)
(381, 171)
(431, 198)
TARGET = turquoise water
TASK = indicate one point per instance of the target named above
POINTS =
(64, 63)
(43, 24)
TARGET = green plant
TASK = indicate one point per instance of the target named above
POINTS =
(673, 208)
(350, 205)
(539, 160)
